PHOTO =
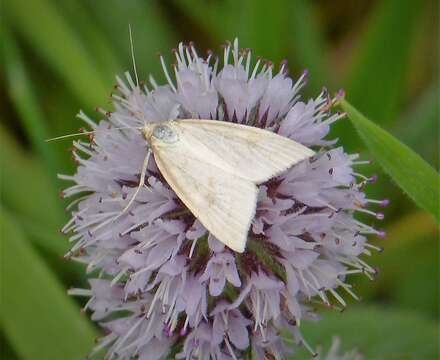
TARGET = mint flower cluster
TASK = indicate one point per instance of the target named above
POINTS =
(160, 284)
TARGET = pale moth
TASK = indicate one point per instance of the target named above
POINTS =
(214, 167)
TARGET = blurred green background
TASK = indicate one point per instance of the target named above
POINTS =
(61, 56)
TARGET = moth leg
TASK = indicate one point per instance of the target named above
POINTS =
(141, 183)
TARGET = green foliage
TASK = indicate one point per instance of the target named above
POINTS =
(23, 96)
(40, 20)
(421, 122)
(307, 44)
(413, 174)
(36, 316)
(24, 178)
(378, 334)
(151, 33)
(375, 83)
(378, 73)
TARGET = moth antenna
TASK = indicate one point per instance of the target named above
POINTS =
(132, 54)
(70, 135)
(91, 132)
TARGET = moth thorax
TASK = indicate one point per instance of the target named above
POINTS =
(165, 133)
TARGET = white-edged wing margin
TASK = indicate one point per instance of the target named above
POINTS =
(249, 152)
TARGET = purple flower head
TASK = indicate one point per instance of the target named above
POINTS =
(161, 284)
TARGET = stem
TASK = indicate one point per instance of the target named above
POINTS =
(257, 246)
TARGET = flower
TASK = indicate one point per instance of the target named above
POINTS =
(161, 285)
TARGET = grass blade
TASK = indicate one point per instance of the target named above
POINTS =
(307, 44)
(36, 315)
(37, 20)
(23, 96)
(96, 41)
(23, 178)
(375, 84)
(422, 123)
(410, 172)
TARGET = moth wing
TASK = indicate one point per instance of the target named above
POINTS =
(252, 153)
(223, 202)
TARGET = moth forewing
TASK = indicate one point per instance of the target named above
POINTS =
(249, 152)
(223, 202)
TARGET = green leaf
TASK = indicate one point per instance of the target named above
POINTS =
(51, 37)
(375, 84)
(44, 237)
(97, 41)
(421, 122)
(26, 186)
(377, 333)
(413, 174)
(38, 318)
(27, 191)
(6, 351)
(307, 43)
(24, 98)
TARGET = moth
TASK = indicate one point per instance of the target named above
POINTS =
(214, 167)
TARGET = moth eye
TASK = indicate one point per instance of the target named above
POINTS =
(165, 133)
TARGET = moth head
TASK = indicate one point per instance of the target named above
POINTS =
(147, 131)
(160, 131)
